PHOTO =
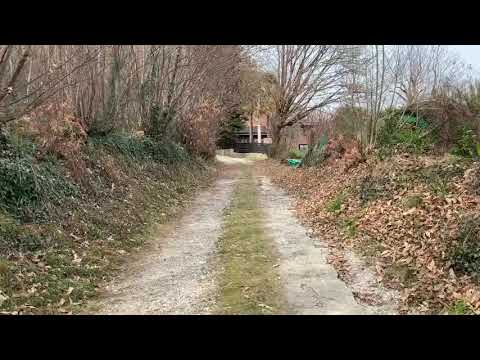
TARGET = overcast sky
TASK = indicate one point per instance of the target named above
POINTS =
(470, 54)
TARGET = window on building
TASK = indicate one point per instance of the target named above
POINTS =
(303, 147)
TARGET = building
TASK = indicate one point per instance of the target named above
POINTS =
(252, 140)
(243, 135)
(298, 137)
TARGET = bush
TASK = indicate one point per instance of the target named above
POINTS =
(448, 113)
(316, 154)
(404, 134)
(296, 154)
(28, 187)
(350, 227)
(466, 255)
(198, 128)
(143, 149)
(56, 130)
(467, 144)
(13, 147)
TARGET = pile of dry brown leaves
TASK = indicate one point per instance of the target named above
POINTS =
(403, 214)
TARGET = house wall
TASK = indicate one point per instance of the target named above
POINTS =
(295, 136)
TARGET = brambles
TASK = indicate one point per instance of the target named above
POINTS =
(466, 254)
(401, 133)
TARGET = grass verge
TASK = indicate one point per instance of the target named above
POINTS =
(249, 281)
(54, 263)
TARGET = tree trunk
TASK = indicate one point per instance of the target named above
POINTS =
(276, 147)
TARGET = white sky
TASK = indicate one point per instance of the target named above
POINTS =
(470, 54)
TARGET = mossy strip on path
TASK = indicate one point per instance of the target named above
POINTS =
(248, 280)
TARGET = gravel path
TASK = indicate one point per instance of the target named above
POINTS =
(176, 276)
(310, 284)
(176, 273)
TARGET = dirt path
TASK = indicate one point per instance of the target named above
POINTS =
(176, 276)
(311, 285)
(180, 271)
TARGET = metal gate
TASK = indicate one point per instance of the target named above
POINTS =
(251, 148)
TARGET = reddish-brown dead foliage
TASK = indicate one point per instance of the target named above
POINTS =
(408, 244)
(59, 133)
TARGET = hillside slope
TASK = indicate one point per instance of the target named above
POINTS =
(413, 218)
(66, 223)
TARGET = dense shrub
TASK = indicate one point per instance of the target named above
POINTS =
(404, 133)
(316, 153)
(143, 149)
(466, 255)
(467, 144)
(28, 186)
(350, 121)
(296, 154)
(56, 131)
(448, 114)
(335, 205)
(338, 148)
(198, 129)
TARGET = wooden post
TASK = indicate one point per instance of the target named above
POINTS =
(251, 129)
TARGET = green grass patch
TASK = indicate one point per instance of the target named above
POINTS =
(413, 201)
(460, 307)
(350, 227)
(334, 206)
(249, 281)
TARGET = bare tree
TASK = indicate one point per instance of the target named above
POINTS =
(308, 78)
